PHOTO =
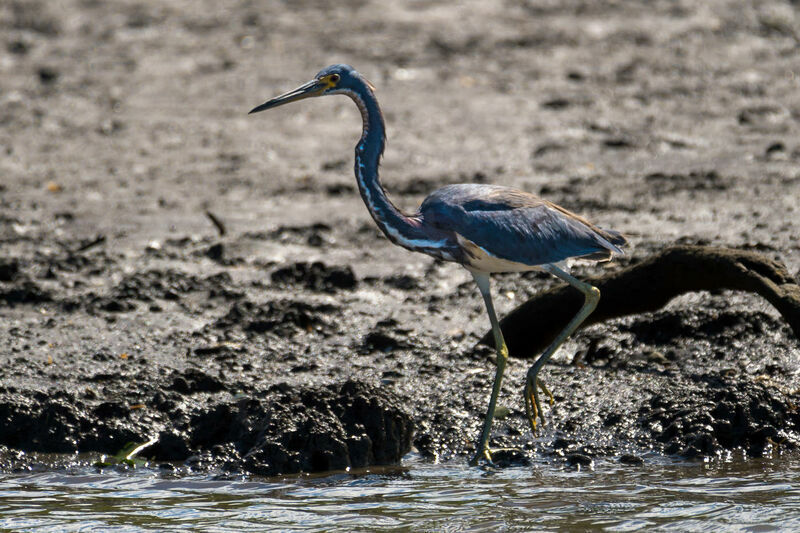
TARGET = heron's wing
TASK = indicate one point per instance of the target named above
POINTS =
(517, 226)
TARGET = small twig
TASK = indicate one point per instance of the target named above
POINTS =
(217, 222)
(100, 239)
(140, 448)
(647, 287)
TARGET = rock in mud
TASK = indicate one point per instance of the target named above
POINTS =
(288, 430)
(304, 429)
(720, 414)
(9, 268)
(64, 424)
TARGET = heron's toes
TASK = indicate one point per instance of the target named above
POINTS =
(484, 454)
(500, 457)
(532, 409)
(546, 391)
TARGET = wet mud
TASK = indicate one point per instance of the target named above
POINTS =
(173, 272)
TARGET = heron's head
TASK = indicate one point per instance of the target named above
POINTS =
(330, 80)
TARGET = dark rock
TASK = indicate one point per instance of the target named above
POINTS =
(380, 341)
(774, 147)
(314, 234)
(60, 425)
(18, 47)
(308, 367)
(48, 75)
(215, 252)
(580, 460)
(629, 459)
(108, 410)
(9, 268)
(556, 103)
(112, 305)
(509, 457)
(619, 142)
(193, 380)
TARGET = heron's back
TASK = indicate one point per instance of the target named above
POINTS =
(515, 226)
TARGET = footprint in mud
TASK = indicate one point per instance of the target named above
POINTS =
(282, 317)
(696, 180)
(316, 276)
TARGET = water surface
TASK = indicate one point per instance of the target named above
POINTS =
(756, 495)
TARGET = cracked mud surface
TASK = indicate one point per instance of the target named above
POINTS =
(301, 339)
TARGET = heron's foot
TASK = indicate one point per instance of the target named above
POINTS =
(483, 454)
(499, 457)
(546, 391)
(533, 409)
(531, 405)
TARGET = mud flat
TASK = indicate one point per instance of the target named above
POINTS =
(175, 272)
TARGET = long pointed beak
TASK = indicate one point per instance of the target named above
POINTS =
(312, 88)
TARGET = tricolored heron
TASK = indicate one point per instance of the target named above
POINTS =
(485, 228)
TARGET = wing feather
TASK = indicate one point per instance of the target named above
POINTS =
(517, 226)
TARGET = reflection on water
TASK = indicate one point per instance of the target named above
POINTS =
(759, 495)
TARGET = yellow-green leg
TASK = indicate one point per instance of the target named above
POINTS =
(483, 451)
(592, 297)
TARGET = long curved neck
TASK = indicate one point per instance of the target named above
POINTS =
(401, 229)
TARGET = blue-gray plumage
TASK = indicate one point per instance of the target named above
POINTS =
(485, 228)
(516, 226)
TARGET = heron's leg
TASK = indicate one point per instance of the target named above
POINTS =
(592, 297)
(483, 451)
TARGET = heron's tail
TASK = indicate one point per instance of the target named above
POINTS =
(612, 241)
(614, 237)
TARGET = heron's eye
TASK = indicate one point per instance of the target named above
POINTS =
(335, 78)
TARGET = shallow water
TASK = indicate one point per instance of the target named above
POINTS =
(759, 495)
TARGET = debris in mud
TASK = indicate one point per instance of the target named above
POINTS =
(221, 230)
(215, 252)
(710, 180)
(649, 285)
(155, 284)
